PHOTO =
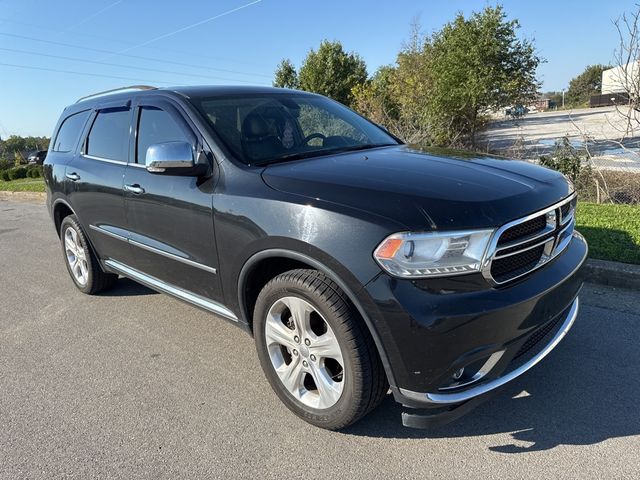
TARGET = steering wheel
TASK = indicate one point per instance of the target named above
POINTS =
(308, 138)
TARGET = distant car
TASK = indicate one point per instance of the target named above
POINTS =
(516, 112)
(37, 158)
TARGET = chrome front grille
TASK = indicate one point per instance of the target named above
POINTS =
(521, 246)
(522, 230)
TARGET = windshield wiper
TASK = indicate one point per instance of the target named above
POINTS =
(365, 146)
(291, 156)
(315, 153)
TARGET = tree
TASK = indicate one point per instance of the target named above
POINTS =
(555, 98)
(443, 87)
(329, 71)
(286, 75)
(588, 83)
(375, 99)
(397, 95)
(627, 74)
(17, 148)
(476, 65)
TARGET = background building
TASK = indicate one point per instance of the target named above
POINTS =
(617, 84)
(621, 79)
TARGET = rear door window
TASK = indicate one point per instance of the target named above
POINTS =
(109, 135)
(69, 132)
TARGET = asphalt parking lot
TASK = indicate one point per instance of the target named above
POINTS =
(537, 133)
(135, 384)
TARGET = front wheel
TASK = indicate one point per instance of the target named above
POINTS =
(315, 352)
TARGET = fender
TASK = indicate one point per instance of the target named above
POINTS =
(276, 252)
(65, 203)
(58, 201)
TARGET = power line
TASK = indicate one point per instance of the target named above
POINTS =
(188, 27)
(88, 74)
(76, 59)
(137, 57)
(116, 40)
(92, 16)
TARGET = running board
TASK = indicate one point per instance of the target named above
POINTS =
(163, 287)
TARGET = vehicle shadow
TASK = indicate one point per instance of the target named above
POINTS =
(585, 392)
(127, 288)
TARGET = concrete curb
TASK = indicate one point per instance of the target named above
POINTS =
(30, 197)
(614, 274)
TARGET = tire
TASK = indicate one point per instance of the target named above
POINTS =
(303, 354)
(82, 264)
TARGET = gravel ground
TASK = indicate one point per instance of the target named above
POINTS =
(134, 384)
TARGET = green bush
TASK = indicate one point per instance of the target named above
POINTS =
(566, 159)
(34, 171)
(17, 172)
(5, 164)
(4, 175)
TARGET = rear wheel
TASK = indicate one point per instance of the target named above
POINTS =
(318, 357)
(82, 264)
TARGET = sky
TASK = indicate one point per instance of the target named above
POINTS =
(53, 52)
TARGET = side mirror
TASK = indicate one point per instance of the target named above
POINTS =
(173, 158)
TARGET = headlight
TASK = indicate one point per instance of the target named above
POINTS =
(434, 254)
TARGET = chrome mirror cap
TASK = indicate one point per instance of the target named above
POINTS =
(169, 155)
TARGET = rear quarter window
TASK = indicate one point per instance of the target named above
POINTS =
(69, 132)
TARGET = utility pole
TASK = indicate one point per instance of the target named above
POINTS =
(563, 98)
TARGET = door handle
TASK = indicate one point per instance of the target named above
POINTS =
(135, 188)
(74, 177)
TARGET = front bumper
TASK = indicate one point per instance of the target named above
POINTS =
(485, 387)
(432, 330)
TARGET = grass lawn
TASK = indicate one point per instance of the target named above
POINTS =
(23, 185)
(613, 231)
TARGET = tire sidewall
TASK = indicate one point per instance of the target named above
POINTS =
(71, 222)
(344, 406)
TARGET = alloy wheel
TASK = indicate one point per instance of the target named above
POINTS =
(76, 257)
(304, 352)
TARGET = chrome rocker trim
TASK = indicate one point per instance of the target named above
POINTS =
(157, 251)
(445, 399)
(163, 287)
(162, 253)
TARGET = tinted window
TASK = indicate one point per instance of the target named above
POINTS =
(109, 135)
(264, 128)
(156, 126)
(69, 132)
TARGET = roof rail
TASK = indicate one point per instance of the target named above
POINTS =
(113, 90)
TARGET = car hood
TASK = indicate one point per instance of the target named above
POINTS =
(423, 189)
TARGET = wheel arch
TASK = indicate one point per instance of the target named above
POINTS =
(294, 260)
(60, 210)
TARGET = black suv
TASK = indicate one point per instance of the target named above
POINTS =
(358, 263)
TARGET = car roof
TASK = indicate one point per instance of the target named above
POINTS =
(189, 92)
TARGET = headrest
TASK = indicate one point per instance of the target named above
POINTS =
(254, 127)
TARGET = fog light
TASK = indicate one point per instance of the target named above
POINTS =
(458, 374)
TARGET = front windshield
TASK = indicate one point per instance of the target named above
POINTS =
(265, 128)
